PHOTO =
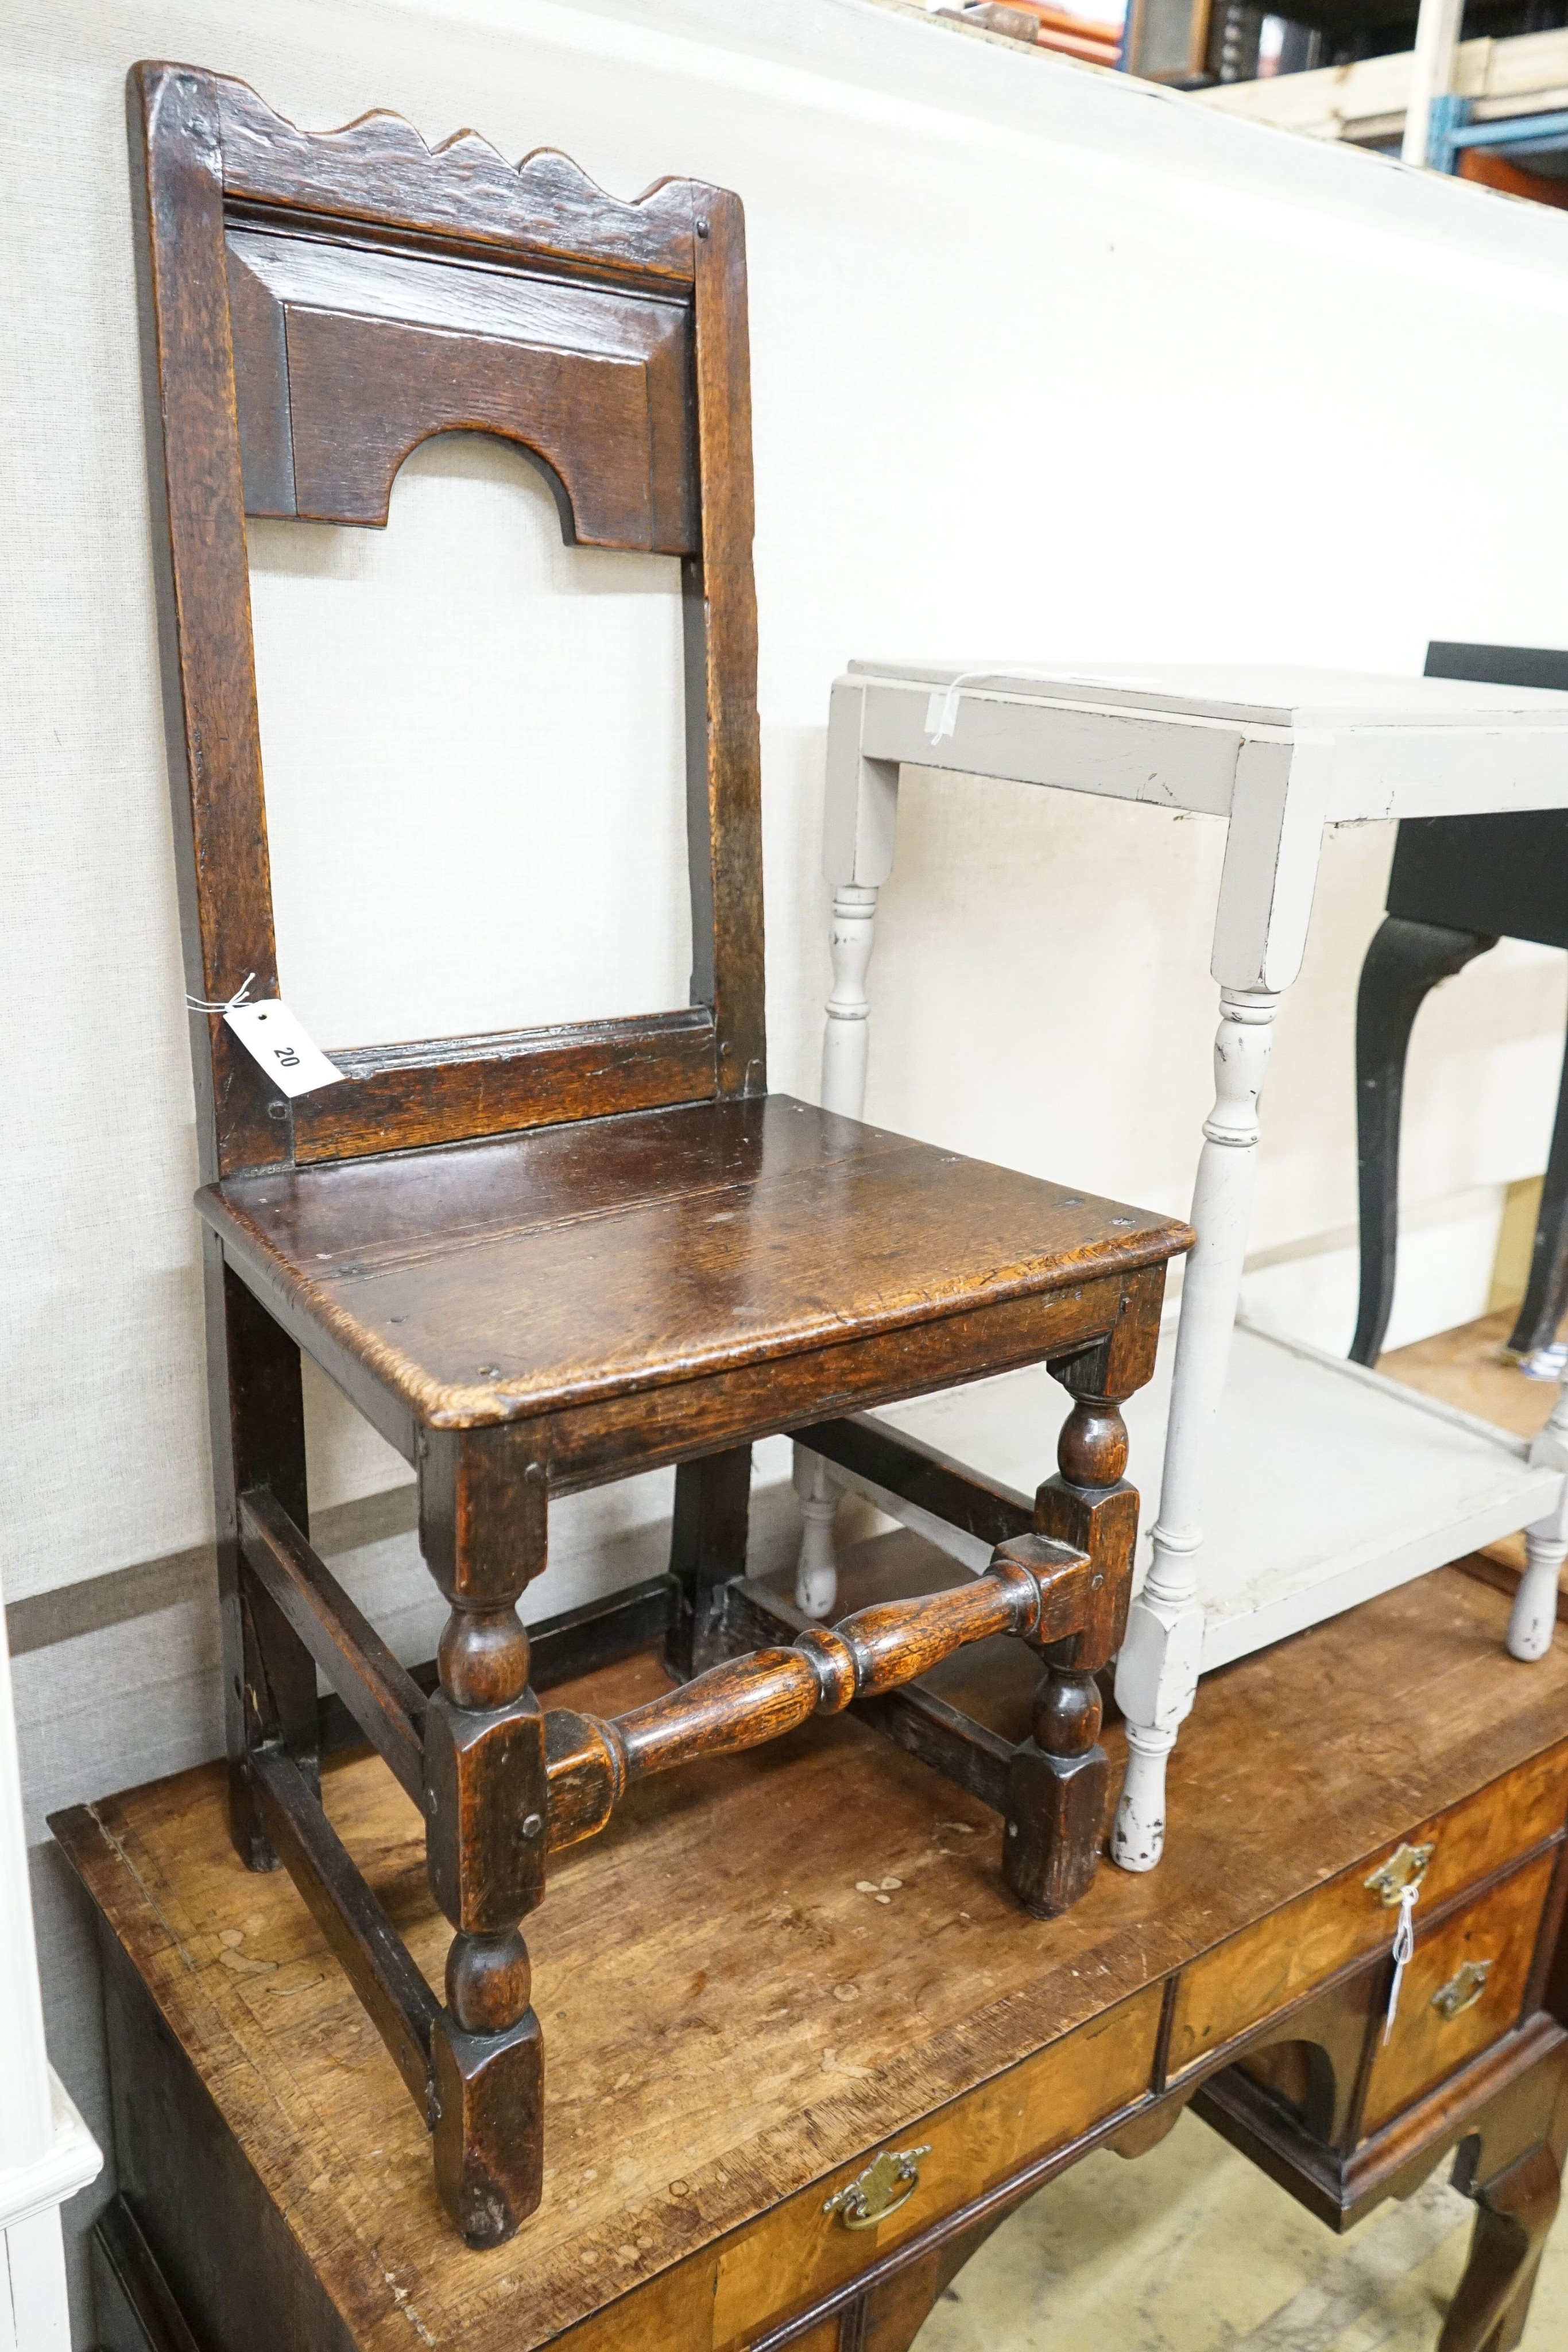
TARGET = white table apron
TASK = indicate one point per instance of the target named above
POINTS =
(1279, 754)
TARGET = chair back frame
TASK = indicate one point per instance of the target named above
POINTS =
(316, 307)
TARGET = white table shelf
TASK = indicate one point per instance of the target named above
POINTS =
(1414, 1482)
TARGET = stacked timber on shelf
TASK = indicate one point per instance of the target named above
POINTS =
(1029, 24)
(1068, 35)
(1366, 103)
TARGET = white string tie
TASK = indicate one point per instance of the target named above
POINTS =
(205, 1004)
(1403, 1949)
(942, 710)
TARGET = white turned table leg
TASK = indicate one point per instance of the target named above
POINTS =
(1534, 1618)
(817, 1576)
(844, 1043)
(846, 1035)
(1156, 1674)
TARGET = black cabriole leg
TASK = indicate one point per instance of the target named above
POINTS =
(1405, 963)
(1546, 1292)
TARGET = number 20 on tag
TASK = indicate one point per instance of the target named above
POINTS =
(271, 1033)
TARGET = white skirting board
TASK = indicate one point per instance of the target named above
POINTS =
(1334, 1483)
(33, 2308)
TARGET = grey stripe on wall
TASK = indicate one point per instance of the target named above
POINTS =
(100, 1601)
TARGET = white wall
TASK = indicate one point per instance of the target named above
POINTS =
(1045, 363)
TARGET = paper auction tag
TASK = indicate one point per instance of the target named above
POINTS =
(272, 1034)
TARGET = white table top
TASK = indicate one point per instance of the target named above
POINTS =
(1279, 751)
(1259, 695)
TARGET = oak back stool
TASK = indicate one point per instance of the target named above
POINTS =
(542, 1260)
(1459, 884)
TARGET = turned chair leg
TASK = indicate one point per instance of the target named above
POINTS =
(1058, 1780)
(707, 1549)
(486, 1801)
(1057, 1787)
(815, 1574)
(1546, 1292)
(1514, 2211)
(258, 1439)
(1405, 963)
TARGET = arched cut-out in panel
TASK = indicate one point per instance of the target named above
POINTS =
(346, 358)
(473, 753)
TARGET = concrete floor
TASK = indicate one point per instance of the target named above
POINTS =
(1189, 2248)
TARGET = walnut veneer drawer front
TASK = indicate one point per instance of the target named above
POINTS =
(1288, 1955)
(1461, 1991)
(798, 2252)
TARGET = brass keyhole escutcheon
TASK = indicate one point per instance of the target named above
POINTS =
(1406, 1867)
(1463, 1990)
(889, 2181)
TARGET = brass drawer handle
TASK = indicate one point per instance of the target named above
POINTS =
(1408, 1867)
(889, 2181)
(1462, 1991)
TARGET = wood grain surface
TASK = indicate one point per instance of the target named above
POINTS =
(386, 1703)
(769, 1690)
(579, 1263)
(378, 169)
(1267, 1966)
(208, 668)
(1497, 1930)
(436, 1090)
(728, 1929)
(345, 361)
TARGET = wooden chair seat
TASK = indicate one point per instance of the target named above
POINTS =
(571, 1267)
(556, 1255)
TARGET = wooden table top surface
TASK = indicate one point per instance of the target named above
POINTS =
(768, 1963)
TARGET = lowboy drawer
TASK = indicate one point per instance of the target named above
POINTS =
(798, 2252)
(1289, 1954)
(1461, 1991)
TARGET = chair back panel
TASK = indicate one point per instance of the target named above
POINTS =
(314, 308)
(1504, 873)
(344, 362)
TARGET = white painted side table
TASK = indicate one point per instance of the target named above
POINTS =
(1270, 1546)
